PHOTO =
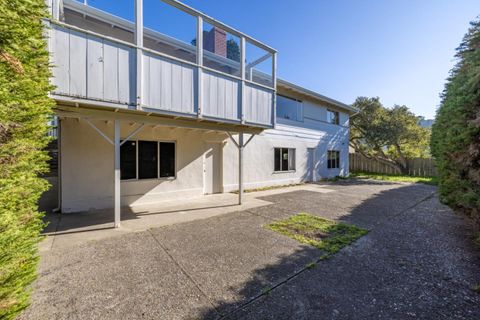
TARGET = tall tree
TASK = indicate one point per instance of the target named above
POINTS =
(388, 135)
(24, 111)
(456, 131)
(233, 50)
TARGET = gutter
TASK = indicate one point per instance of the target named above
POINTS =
(316, 95)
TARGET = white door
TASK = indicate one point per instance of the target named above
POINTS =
(213, 169)
(311, 174)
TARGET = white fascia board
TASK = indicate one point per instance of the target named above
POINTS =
(316, 95)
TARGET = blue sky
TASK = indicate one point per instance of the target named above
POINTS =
(399, 50)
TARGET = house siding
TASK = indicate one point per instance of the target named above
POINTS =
(87, 159)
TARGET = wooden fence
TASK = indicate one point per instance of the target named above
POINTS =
(416, 166)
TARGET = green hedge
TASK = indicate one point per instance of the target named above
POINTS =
(455, 139)
(24, 110)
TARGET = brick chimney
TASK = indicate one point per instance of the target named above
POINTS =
(216, 41)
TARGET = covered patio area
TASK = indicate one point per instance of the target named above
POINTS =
(66, 230)
(90, 177)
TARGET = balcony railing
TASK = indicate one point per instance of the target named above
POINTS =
(215, 73)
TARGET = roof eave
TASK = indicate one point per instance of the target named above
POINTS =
(315, 95)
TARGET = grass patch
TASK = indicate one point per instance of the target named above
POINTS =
(269, 188)
(476, 288)
(395, 178)
(325, 235)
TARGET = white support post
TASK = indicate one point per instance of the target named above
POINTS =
(139, 44)
(274, 79)
(116, 146)
(59, 164)
(242, 75)
(200, 64)
(116, 140)
(240, 167)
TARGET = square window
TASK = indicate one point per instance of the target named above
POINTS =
(333, 117)
(284, 159)
(147, 160)
(333, 160)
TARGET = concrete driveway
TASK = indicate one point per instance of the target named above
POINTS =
(416, 262)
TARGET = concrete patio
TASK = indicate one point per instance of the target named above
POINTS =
(416, 262)
(76, 228)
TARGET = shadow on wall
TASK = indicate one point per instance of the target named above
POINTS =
(103, 219)
(191, 147)
(337, 141)
(88, 184)
(353, 278)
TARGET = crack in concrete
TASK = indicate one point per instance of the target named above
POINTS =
(264, 216)
(197, 286)
(382, 221)
(296, 274)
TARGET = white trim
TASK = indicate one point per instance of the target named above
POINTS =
(312, 94)
(138, 35)
(200, 66)
(132, 134)
(233, 140)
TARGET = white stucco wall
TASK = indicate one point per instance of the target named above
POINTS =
(312, 132)
(87, 159)
(87, 166)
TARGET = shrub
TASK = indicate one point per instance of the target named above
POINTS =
(24, 108)
(455, 139)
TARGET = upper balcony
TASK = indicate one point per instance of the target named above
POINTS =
(162, 57)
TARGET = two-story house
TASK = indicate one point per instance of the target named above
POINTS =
(162, 107)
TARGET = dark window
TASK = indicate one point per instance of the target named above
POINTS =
(278, 165)
(333, 161)
(147, 160)
(284, 159)
(154, 159)
(128, 160)
(167, 159)
(333, 117)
